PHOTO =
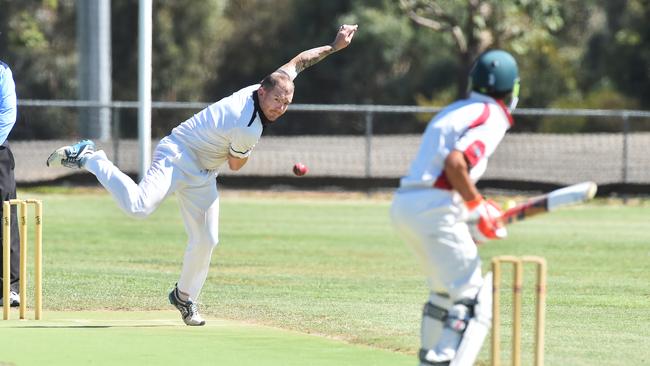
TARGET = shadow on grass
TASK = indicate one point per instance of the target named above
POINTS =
(91, 326)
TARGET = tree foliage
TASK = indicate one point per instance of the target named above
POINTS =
(38, 43)
(619, 55)
(187, 41)
(473, 26)
(571, 53)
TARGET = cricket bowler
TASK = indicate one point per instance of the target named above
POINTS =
(187, 161)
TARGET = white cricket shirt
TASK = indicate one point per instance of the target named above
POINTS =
(474, 126)
(232, 125)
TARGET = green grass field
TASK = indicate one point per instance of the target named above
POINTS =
(313, 281)
(156, 338)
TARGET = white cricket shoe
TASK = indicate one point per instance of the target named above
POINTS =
(189, 310)
(73, 156)
(447, 346)
(14, 299)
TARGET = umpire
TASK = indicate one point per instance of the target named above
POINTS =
(7, 178)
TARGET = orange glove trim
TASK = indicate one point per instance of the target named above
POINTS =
(474, 203)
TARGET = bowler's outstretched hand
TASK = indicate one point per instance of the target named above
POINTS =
(313, 56)
(344, 36)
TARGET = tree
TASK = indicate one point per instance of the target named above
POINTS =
(473, 26)
(620, 53)
(391, 60)
(37, 40)
(187, 41)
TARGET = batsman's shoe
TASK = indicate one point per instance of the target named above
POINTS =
(189, 310)
(445, 350)
(14, 299)
(73, 156)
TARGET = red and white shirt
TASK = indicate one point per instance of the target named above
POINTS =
(474, 126)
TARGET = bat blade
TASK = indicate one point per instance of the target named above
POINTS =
(569, 195)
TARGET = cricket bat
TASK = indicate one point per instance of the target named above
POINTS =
(573, 194)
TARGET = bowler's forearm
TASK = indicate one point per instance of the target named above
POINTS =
(235, 163)
(311, 57)
(307, 59)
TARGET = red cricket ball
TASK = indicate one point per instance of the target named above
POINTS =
(300, 169)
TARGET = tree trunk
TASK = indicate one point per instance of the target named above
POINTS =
(462, 78)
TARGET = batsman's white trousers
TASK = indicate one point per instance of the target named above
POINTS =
(173, 169)
(441, 241)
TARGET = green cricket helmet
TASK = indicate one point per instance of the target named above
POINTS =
(495, 73)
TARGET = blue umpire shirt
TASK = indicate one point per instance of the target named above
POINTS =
(7, 102)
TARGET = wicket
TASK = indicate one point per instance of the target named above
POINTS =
(518, 276)
(38, 254)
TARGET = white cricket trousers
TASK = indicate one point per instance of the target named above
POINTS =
(440, 241)
(173, 169)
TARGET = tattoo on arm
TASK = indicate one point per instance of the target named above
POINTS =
(311, 57)
(306, 59)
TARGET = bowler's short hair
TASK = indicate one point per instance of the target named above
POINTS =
(278, 79)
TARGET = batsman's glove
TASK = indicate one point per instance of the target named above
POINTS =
(484, 219)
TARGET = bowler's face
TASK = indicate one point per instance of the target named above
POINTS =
(274, 102)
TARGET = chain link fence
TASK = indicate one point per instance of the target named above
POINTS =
(368, 146)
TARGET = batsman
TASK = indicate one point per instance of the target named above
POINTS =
(440, 213)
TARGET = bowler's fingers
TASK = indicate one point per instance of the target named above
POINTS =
(346, 31)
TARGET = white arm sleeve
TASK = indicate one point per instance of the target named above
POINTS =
(242, 142)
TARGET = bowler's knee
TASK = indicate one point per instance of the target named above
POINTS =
(211, 243)
(211, 236)
(202, 249)
(140, 205)
(137, 214)
(206, 241)
(138, 210)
